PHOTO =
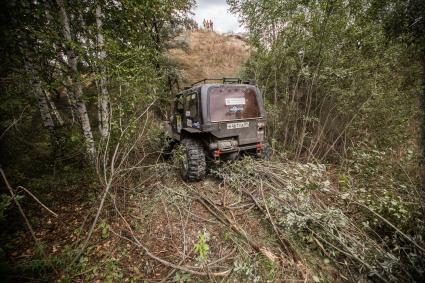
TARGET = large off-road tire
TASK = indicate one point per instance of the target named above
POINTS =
(193, 165)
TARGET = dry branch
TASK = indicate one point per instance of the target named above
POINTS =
(21, 211)
(37, 200)
(220, 215)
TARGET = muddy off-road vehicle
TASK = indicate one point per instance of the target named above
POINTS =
(217, 119)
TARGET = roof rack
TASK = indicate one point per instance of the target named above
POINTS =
(223, 80)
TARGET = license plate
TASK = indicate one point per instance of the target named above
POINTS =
(239, 125)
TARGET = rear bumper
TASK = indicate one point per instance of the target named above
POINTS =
(255, 146)
(257, 149)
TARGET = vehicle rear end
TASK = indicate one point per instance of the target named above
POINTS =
(234, 116)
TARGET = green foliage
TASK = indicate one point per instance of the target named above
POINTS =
(245, 269)
(182, 277)
(104, 228)
(330, 77)
(340, 87)
(256, 268)
(136, 72)
(113, 272)
(379, 180)
(5, 202)
(202, 248)
(178, 156)
(322, 221)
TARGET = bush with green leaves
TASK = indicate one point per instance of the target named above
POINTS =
(321, 221)
(330, 77)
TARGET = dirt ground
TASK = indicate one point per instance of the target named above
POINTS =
(163, 218)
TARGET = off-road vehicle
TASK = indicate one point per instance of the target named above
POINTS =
(217, 119)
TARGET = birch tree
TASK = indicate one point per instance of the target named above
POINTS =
(53, 108)
(74, 81)
(104, 111)
(43, 105)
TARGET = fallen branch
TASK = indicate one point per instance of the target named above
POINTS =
(170, 273)
(99, 209)
(21, 211)
(283, 242)
(392, 226)
(37, 200)
(212, 208)
(137, 243)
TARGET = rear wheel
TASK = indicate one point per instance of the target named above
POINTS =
(193, 165)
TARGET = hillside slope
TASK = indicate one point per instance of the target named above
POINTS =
(204, 54)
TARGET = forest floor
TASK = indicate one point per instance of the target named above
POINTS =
(154, 232)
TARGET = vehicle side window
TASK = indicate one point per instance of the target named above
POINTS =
(192, 105)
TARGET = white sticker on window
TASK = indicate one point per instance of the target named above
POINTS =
(236, 109)
(235, 101)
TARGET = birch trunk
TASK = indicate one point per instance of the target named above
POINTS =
(42, 102)
(43, 106)
(54, 110)
(104, 113)
(75, 84)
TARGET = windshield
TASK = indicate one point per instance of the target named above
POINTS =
(233, 103)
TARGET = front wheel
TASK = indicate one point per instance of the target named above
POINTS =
(193, 165)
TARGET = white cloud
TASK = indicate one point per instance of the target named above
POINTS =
(217, 12)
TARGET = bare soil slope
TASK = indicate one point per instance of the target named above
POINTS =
(204, 54)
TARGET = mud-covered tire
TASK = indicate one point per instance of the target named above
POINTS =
(193, 167)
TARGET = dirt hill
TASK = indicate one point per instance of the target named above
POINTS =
(205, 54)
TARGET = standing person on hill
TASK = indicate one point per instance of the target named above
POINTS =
(211, 25)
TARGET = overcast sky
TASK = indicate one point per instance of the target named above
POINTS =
(217, 11)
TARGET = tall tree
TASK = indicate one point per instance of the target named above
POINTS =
(74, 81)
(104, 111)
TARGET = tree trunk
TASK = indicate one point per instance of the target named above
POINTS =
(43, 106)
(55, 111)
(104, 113)
(422, 162)
(75, 84)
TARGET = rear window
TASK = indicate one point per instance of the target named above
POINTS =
(233, 103)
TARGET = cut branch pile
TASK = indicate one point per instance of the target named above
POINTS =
(309, 216)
